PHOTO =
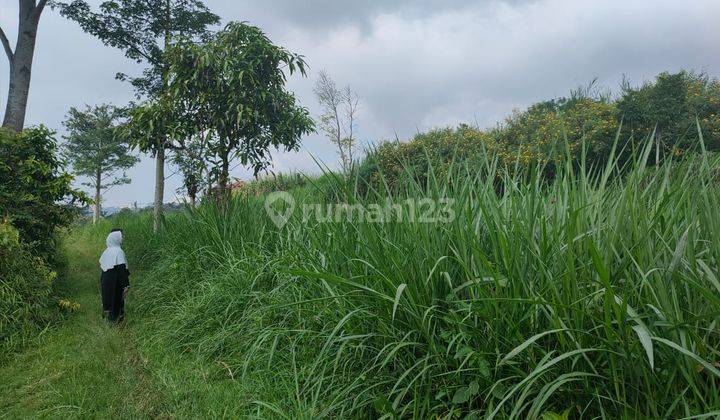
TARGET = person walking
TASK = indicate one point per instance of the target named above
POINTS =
(115, 277)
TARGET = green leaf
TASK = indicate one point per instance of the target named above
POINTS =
(679, 251)
(599, 265)
(382, 405)
(483, 367)
(549, 415)
(464, 394)
(463, 352)
(690, 354)
(514, 352)
(398, 294)
(644, 337)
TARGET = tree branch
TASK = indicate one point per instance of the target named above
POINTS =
(39, 8)
(6, 45)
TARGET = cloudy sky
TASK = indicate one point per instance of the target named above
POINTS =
(416, 64)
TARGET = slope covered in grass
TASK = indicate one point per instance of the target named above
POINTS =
(592, 294)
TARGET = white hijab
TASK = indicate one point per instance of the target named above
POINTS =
(113, 255)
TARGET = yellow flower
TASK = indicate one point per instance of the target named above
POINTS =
(69, 305)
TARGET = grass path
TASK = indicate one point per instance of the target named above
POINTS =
(84, 367)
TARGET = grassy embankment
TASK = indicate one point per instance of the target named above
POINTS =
(595, 295)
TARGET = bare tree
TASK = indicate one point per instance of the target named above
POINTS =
(337, 121)
(21, 61)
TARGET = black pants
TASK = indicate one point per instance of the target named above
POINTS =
(111, 289)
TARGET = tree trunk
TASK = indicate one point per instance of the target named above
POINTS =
(159, 186)
(208, 187)
(192, 190)
(160, 153)
(224, 175)
(98, 197)
(223, 194)
(21, 63)
(191, 186)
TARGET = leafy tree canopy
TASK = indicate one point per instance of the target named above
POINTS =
(232, 87)
(95, 147)
(154, 119)
(142, 29)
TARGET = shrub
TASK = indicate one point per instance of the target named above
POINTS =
(582, 127)
(36, 200)
(35, 193)
(548, 131)
(431, 154)
(271, 183)
(544, 135)
(26, 283)
(671, 107)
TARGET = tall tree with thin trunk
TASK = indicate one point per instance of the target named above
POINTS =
(144, 29)
(233, 88)
(95, 148)
(21, 60)
(337, 121)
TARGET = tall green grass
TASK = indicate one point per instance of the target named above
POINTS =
(593, 294)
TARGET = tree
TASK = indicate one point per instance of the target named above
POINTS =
(21, 60)
(144, 29)
(192, 163)
(96, 149)
(232, 87)
(337, 120)
(179, 119)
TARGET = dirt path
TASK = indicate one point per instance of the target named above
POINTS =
(83, 368)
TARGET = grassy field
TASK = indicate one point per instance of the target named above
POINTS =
(592, 295)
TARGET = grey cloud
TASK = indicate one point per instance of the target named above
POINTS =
(320, 15)
(415, 64)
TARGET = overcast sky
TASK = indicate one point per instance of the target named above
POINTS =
(416, 64)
